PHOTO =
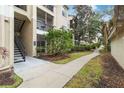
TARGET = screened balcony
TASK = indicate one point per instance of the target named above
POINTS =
(42, 26)
(44, 21)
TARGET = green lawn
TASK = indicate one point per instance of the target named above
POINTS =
(72, 57)
(88, 76)
(18, 81)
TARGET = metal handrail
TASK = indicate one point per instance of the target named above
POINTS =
(20, 45)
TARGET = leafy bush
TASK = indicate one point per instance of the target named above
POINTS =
(40, 49)
(94, 45)
(59, 41)
(78, 48)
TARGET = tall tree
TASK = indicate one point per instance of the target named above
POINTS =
(86, 24)
(94, 27)
(83, 13)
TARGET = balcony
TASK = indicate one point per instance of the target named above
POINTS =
(44, 20)
(23, 7)
(50, 7)
(42, 26)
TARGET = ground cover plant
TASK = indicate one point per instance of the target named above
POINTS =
(17, 81)
(102, 72)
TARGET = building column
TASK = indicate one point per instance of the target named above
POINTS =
(6, 41)
(46, 18)
(54, 17)
(11, 29)
(2, 34)
(34, 22)
(7, 34)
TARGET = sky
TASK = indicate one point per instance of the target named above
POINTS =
(100, 8)
(96, 8)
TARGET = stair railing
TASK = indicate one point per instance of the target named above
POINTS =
(20, 45)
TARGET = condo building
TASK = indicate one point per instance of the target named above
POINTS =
(23, 26)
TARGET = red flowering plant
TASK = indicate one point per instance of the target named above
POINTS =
(4, 52)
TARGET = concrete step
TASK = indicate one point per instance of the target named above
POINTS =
(18, 60)
(16, 48)
(17, 52)
(17, 55)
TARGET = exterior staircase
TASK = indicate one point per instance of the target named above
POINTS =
(19, 49)
(18, 57)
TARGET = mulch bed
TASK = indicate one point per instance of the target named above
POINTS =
(6, 77)
(53, 57)
(113, 74)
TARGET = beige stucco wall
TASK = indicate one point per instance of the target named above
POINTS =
(7, 35)
(117, 48)
(60, 19)
(28, 33)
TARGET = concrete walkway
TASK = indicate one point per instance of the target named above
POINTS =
(43, 74)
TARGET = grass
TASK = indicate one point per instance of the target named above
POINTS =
(73, 56)
(18, 81)
(88, 76)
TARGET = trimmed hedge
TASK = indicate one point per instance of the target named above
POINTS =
(85, 47)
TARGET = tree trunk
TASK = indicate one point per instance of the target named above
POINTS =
(78, 43)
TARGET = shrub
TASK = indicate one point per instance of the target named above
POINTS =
(59, 41)
(94, 45)
(88, 47)
(40, 49)
(85, 47)
(78, 48)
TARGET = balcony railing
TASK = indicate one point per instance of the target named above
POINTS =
(50, 7)
(42, 26)
(24, 7)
